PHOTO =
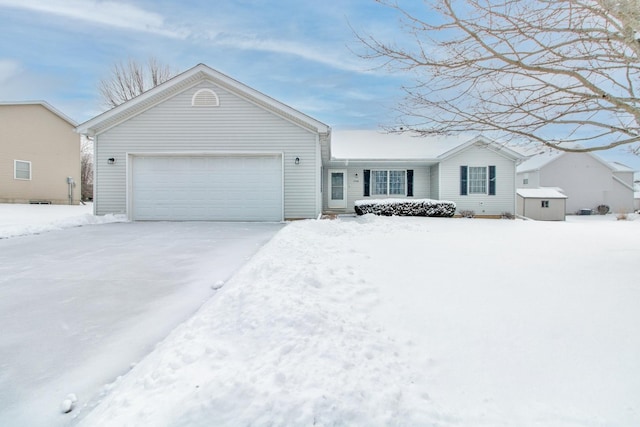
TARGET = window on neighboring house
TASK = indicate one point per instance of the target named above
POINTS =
(22, 169)
(544, 203)
(525, 181)
(477, 180)
(388, 182)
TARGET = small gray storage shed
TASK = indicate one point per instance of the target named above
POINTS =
(542, 204)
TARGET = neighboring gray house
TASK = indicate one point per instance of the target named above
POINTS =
(542, 204)
(586, 179)
(203, 146)
(475, 173)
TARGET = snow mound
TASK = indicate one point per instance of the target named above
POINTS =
(38, 227)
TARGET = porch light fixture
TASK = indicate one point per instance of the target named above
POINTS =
(297, 160)
(111, 160)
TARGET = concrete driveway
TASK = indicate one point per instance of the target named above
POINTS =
(79, 306)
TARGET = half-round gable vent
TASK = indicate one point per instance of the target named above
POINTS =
(205, 98)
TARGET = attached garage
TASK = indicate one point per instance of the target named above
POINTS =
(205, 147)
(207, 187)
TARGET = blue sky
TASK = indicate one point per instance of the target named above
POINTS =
(300, 52)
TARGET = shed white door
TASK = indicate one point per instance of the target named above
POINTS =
(207, 188)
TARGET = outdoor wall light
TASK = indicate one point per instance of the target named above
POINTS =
(111, 160)
(297, 160)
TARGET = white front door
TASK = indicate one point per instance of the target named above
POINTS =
(337, 189)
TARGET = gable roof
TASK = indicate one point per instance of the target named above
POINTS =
(371, 145)
(189, 79)
(45, 105)
(542, 159)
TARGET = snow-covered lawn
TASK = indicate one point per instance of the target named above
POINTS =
(406, 321)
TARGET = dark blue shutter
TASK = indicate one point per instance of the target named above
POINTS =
(492, 180)
(463, 180)
(367, 178)
(410, 182)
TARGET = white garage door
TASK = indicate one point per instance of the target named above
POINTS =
(214, 188)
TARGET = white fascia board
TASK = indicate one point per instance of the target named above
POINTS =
(492, 145)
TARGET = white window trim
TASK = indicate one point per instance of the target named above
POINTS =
(15, 170)
(486, 180)
(372, 185)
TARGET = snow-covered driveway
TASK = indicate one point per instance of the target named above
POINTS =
(79, 306)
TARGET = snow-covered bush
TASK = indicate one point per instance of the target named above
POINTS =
(405, 207)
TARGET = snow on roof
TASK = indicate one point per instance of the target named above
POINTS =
(541, 159)
(379, 145)
(619, 167)
(538, 160)
(541, 193)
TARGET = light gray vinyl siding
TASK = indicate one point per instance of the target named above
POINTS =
(587, 182)
(435, 181)
(236, 125)
(532, 179)
(481, 204)
(355, 185)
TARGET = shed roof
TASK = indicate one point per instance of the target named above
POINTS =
(541, 193)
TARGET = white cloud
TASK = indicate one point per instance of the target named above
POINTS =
(302, 50)
(8, 69)
(109, 13)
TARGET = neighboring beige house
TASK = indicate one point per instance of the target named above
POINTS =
(586, 179)
(39, 155)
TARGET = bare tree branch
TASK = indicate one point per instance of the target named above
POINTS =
(130, 79)
(86, 169)
(559, 72)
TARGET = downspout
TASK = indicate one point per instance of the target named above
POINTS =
(318, 186)
(70, 184)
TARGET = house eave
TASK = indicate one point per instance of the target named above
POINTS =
(46, 105)
(426, 162)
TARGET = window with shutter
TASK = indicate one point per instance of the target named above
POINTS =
(367, 178)
(463, 180)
